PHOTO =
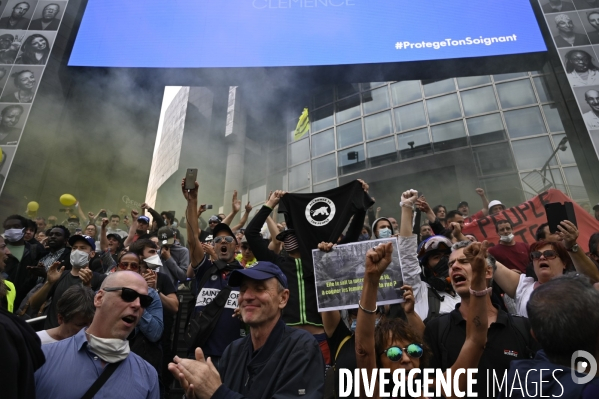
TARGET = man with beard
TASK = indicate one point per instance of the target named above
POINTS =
(49, 20)
(566, 37)
(9, 134)
(57, 245)
(17, 18)
(510, 253)
(591, 118)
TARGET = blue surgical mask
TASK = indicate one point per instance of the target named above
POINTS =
(385, 232)
(364, 237)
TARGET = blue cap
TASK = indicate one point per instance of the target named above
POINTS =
(144, 219)
(80, 237)
(260, 271)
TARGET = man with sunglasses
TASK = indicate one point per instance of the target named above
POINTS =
(120, 304)
(274, 361)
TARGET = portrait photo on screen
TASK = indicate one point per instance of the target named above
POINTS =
(581, 65)
(13, 119)
(22, 84)
(10, 43)
(590, 22)
(17, 14)
(4, 74)
(566, 29)
(586, 4)
(35, 48)
(8, 153)
(552, 6)
(47, 15)
(588, 100)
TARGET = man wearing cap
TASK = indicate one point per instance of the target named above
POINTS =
(246, 257)
(275, 361)
(58, 279)
(175, 257)
(464, 209)
(495, 207)
(566, 37)
(212, 277)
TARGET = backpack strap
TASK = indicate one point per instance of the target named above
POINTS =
(341, 345)
(434, 303)
(106, 373)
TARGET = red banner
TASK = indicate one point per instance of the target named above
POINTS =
(528, 216)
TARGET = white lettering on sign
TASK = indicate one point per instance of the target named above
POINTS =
(207, 295)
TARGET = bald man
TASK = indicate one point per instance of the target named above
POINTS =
(119, 303)
(566, 37)
(591, 118)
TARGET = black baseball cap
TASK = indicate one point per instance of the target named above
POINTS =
(115, 236)
(596, 207)
(462, 203)
(281, 236)
(260, 271)
(166, 236)
(222, 227)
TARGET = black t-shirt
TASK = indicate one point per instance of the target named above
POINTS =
(347, 354)
(165, 286)
(319, 217)
(508, 339)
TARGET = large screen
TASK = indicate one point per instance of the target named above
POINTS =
(277, 33)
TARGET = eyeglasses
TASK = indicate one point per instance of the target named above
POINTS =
(132, 265)
(129, 295)
(218, 239)
(395, 353)
(549, 254)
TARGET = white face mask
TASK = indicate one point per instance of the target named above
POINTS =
(110, 350)
(174, 225)
(508, 238)
(153, 261)
(385, 232)
(79, 258)
(14, 235)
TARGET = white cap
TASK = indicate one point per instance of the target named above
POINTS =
(495, 202)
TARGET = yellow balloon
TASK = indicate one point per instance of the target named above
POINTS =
(1, 155)
(67, 200)
(33, 206)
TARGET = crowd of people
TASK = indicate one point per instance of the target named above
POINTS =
(103, 291)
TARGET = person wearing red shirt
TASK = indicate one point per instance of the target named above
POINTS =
(513, 255)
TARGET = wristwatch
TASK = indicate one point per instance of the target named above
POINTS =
(481, 293)
(574, 248)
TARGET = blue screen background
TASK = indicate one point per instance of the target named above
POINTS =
(270, 33)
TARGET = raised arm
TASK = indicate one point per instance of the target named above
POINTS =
(155, 215)
(257, 244)
(506, 279)
(132, 228)
(103, 238)
(274, 245)
(484, 199)
(583, 264)
(196, 252)
(244, 218)
(235, 208)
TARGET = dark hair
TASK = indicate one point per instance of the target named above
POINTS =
(570, 66)
(540, 233)
(367, 229)
(28, 53)
(7, 109)
(23, 220)
(394, 329)
(168, 215)
(114, 215)
(502, 221)
(594, 242)
(438, 207)
(31, 225)
(558, 247)
(76, 300)
(127, 253)
(452, 214)
(564, 317)
(138, 246)
(65, 231)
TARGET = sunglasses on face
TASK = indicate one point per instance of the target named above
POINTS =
(395, 353)
(218, 239)
(129, 295)
(126, 265)
(549, 254)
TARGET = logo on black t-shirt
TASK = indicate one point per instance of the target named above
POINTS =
(320, 211)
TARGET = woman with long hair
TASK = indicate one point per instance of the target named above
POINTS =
(34, 51)
(24, 82)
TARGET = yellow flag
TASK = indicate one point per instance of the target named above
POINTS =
(303, 125)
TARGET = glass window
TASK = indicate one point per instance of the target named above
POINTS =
(321, 118)
(277, 159)
(575, 183)
(375, 100)
(443, 108)
(277, 181)
(350, 133)
(414, 144)
(348, 109)
(323, 142)
(378, 125)
(404, 92)
(347, 89)
(494, 159)
(299, 176)
(516, 94)
(533, 153)
(506, 76)
(565, 157)
(317, 188)
(485, 129)
(542, 89)
(434, 87)
(370, 85)
(323, 168)
(381, 152)
(323, 95)
(409, 116)
(449, 135)
(478, 101)
(299, 151)
(351, 160)
(508, 188)
(524, 122)
(553, 119)
(258, 192)
(470, 81)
